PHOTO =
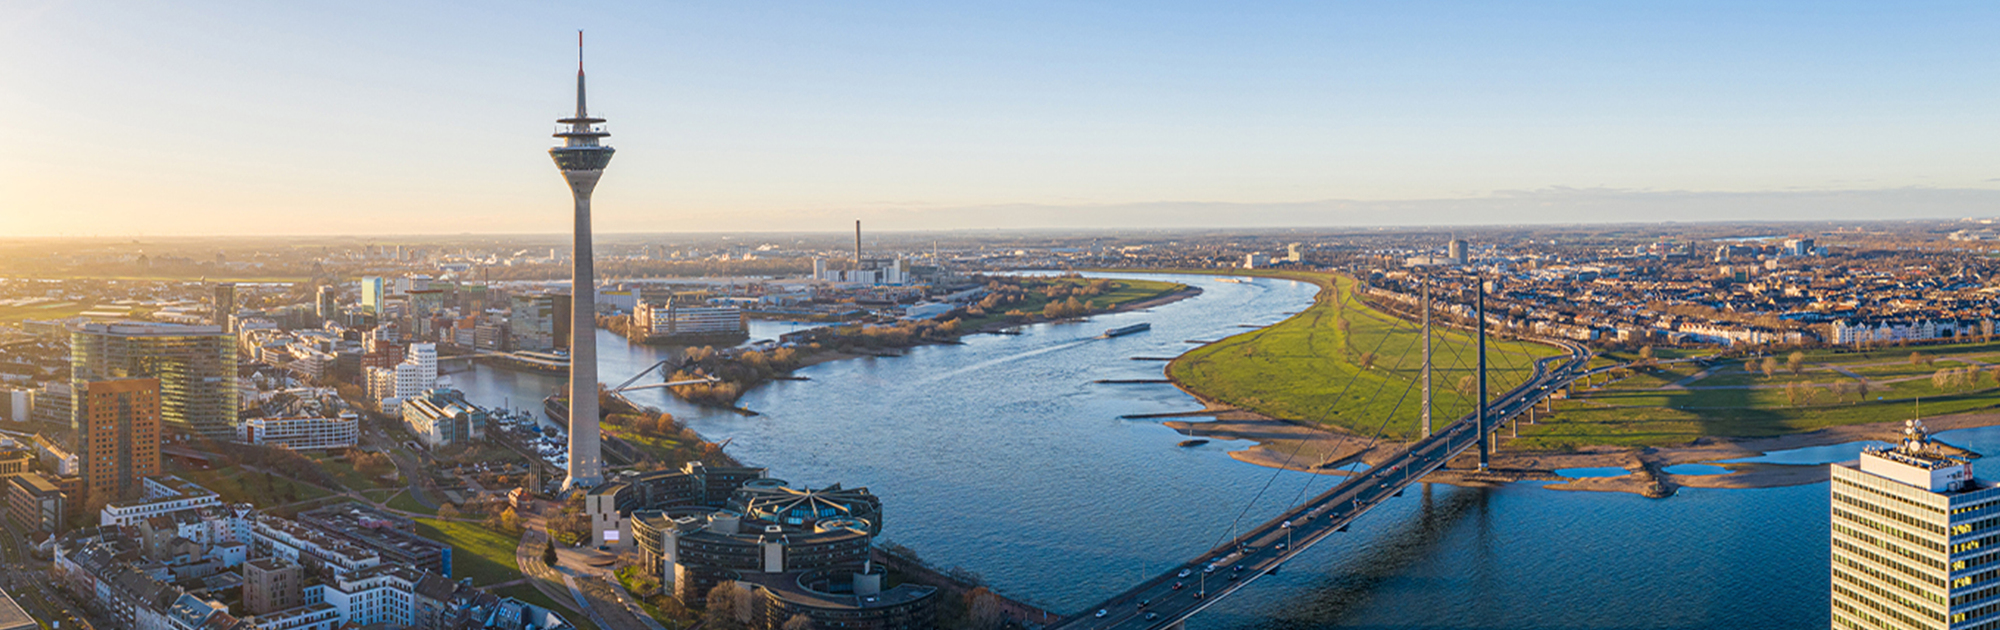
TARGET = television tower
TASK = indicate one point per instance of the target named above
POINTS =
(582, 161)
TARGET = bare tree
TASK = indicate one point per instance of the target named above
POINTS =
(1770, 366)
(1796, 362)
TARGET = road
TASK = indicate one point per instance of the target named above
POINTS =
(1172, 597)
(27, 580)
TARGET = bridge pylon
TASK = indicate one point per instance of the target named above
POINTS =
(1485, 428)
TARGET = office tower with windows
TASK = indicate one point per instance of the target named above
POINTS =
(224, 303)
(1915, 538)
(119, 437)
(373, 292)
(196, 367)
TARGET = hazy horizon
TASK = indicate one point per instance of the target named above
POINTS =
(247, 119)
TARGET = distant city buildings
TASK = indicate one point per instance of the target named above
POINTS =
(672, 322)
(868, 271)
(540, 322)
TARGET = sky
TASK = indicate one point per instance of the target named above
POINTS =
(202, 117)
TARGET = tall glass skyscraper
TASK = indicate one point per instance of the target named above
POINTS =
(196, 367)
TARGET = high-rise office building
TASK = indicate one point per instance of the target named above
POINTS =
(582, 160)
(119, 437)
(539, 322)
(1456, 250)
(328, 305)
(196, 367)
(1914, 540)
(372, 294)
(224, 303)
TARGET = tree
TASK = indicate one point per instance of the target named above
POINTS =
(447, 512)
(982, 609)
(1796, 362)
(1941, 379)
(799, 622)
(1770, 366)
(549, 552)
(1916, 358)
(722, 609)
(509, 521)
(1646, 354)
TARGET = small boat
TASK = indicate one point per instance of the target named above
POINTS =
(1193, 442)
(1127, 330)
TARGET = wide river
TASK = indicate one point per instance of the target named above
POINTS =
(1003, 457)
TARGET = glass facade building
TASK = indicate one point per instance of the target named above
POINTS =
(196, 367)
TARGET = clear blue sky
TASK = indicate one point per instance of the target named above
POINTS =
(198, 117)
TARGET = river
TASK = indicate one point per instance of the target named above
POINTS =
(1003, 457)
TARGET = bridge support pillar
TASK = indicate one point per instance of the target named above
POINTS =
(1485, 429)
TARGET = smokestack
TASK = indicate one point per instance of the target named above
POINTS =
(857, 244)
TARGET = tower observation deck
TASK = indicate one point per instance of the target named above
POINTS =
(582, 158)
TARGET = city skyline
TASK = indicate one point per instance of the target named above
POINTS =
(919, 118)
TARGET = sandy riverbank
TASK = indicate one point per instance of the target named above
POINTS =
(1296, 446)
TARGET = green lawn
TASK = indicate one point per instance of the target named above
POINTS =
(341, 469)
(236, 485)
(482, 554)
(1359, 375)
(1635, 412)
(403, 501)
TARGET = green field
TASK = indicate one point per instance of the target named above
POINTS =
(341, 469)
(482, 554)
(1730, 401)
(405, 502)
(1342, 363)
(236, 485)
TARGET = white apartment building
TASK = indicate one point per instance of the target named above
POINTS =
(1915, 539)
(165, 494)
(416, 374)
(302, 434)
(273, 536)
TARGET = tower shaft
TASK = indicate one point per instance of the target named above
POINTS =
(582, 160)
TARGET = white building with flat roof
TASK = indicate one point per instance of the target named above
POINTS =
(302, 434)
(1915, 540)
(165, 494)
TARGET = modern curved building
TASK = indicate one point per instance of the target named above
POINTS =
(805, 551)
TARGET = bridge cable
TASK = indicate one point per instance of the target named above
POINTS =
(1301, 444)
(1458, 359)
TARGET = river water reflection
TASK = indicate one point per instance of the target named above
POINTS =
(1002, 456)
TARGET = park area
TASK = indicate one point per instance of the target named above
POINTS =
(1345, 364)
(1678, 397)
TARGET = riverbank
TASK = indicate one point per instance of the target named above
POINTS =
(1300, 447)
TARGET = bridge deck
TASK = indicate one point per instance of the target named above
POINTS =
(1172, 597)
